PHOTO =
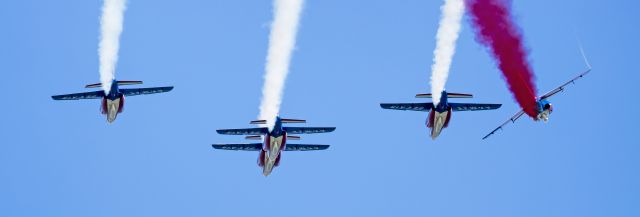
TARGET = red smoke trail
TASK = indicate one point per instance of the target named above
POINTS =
(496, 29)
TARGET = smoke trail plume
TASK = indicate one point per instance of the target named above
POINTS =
(110, 29)
(496, 29)
(448, 33)
(282, 40)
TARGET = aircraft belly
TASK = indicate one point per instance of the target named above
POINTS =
(439, 121)
(275, 146)
(112, 109)
(544, 115)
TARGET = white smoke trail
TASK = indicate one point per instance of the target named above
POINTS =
(446, 38)
(110, 29)
(282, 40)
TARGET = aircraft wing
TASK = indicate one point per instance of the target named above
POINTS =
(239, 147)
(561, 88)
(511, 120)
(246, 131)
(308, 130)
(142, 91)
(424, 107)
(300, 147)
(77, 96)
(473, 106)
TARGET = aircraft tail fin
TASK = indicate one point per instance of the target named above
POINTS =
(449, 95)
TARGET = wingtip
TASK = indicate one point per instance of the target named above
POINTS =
(488, 135)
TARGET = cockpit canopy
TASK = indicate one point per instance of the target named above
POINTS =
(549, 107)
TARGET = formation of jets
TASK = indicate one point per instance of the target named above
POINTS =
(275, 140)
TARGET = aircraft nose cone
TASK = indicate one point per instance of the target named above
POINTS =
(266, 172)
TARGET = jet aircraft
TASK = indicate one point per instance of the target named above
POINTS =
(544, 107)
(274, 141)
(440, 115)
(113, 101)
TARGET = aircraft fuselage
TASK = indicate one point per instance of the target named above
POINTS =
(113, 102)
(439, 116)
(544, 109)
(274, 142)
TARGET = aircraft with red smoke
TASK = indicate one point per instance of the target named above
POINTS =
(440, 115)
(543, 106)
(113, 101)
(274, 141)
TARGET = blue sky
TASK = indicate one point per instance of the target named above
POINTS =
(63, 159)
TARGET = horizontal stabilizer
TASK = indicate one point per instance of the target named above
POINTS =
(449, 95)
(473, 106)
(300, 147)
(129, 82)
(239, 147)
(459, 95)
(293, 137)
(308, 130)
(93, 85)
(144, 91)
(77, 96)
(247, 131)
(253, 137)
(424, 107)
(258, 122)
(283, 120)
(292, 121)
(423, 95)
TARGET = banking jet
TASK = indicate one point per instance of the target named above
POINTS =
(113, 101)
(543, 106)
(273, 141)
(440, 115)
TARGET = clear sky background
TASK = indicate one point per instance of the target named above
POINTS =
(62, 158)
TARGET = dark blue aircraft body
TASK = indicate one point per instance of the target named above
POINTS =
(543, 106)
(274, 142)
(113, 101)
(440, 114)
